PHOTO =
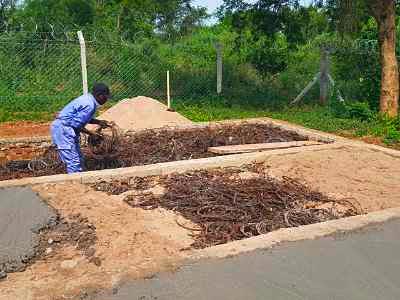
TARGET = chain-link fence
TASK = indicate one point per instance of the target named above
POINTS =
(39, 73)
(42, 73)
(128, 69)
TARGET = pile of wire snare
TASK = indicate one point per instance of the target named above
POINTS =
(150, 147)
(47, 163)
(158, 146)
(100, 152)
(224, 205)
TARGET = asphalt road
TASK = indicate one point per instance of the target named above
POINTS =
(360, 265)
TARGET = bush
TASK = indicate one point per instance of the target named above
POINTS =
(359, 110)
(392, 136)
(355, 110)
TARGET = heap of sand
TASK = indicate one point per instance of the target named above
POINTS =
(142, 113)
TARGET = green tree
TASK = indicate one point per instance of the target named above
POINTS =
(7, 8)
(350, 14)
(272, 28)
(41, 13)
(129, 18)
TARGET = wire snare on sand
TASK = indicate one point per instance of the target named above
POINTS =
(226, 207)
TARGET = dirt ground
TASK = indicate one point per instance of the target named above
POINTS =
(24, 129)
(370, 177)
(131, 243)
(135, 243)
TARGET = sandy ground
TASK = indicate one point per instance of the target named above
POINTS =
(132, 243)
(371, 178)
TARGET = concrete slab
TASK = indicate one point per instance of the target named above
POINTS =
(361, 265)
(165, 168)
(249, 148)
(22, 215)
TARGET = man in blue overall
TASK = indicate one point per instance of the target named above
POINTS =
(71, 121)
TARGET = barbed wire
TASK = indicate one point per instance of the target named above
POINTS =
(59, 31)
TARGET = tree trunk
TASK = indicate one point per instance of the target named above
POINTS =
(384, 12)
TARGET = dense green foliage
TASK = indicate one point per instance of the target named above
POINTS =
(345, 121)
(271, 50)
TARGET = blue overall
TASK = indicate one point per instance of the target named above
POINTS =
(65, 130)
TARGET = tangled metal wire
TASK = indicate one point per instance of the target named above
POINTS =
(225, 206)
(47, 164)
(157, 146)
(102, 149)
(105, 142)
(149, 147)
(100, 152)
(48, 161)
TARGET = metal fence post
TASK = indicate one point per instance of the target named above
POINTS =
(218, 47)
(324, 79)
(83, 62)
(168, 91)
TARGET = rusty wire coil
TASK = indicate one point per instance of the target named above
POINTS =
(104, 143)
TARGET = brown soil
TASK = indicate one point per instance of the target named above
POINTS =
(379, 141)
(73, 230)
(23, 129)
(157, 146)
(131, 243)
(25, 152)
(370, 177)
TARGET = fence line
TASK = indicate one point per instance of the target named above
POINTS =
(43, 71)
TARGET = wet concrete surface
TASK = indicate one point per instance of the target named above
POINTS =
(22, 215)
(359, 265)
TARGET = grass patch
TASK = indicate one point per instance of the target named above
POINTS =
(385, 130)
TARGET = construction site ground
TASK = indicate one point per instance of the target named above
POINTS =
(361, 265)
(133, 243)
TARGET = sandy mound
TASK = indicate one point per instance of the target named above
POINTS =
(142, 113)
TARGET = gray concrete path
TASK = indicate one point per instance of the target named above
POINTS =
(361, 265)
(22, 215)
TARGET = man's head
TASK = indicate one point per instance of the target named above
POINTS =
(101, 92)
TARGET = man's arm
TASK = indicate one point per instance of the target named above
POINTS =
(88, 132)
(101, 123)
